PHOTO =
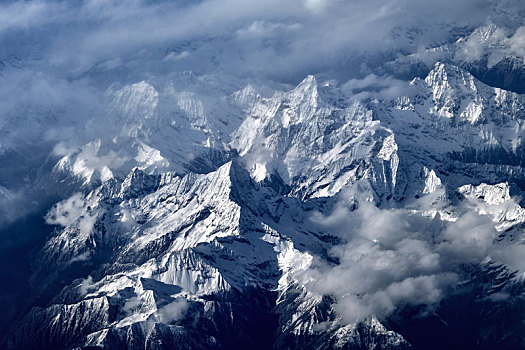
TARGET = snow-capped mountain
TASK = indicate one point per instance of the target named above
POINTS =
(214, 254)
(170, 209)
(492, 52)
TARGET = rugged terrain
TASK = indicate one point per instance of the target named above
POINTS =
(204, 211)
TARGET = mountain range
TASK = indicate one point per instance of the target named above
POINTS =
(209, 211)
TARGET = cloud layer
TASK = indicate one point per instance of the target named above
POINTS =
(391, 258)
(268, 38)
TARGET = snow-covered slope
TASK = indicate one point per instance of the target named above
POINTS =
(202, 215)
(317, 143)
(168, 127)
(165, 249)
(469, 131)
(492, 52)
(206, 211)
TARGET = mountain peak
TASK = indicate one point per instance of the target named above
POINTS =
(308, 81)
(449, 86)
(137, 100)
(306, 91)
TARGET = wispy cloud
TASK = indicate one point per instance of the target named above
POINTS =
(296, 36)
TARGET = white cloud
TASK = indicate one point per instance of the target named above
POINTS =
(262, 29)
(173, 311)
(172, 56)
(73, 211)
(23, 15)
(373, 86)
(390, 258)
(85, 285)
(517, 42)
(300, 36)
